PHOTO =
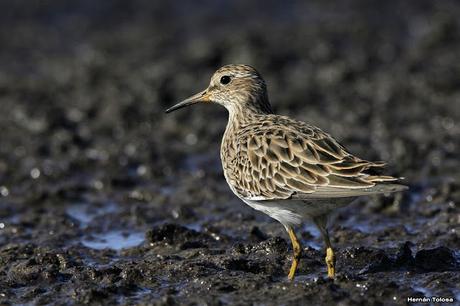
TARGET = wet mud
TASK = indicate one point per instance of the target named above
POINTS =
(104, 199)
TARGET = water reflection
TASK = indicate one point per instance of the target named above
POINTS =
(115, 240)
(85, 213)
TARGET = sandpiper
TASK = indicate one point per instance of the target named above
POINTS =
(285, 168)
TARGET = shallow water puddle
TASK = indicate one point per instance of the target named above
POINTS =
(195, 226)
(310, 278)
(88, 214)
(115, 240)
(85, 213)
(314, 231)
(367, 226)
(134, 296)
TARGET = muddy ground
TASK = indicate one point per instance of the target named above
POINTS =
(104, 199)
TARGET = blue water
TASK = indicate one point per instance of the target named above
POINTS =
(115, 240)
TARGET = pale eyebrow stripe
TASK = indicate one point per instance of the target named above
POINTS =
(245, 75)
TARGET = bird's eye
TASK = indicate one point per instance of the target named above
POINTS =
(225, 80)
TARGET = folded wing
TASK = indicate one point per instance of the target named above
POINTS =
(294, 160)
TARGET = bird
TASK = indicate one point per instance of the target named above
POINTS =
(290, 170)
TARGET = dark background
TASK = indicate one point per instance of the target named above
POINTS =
(105, 199)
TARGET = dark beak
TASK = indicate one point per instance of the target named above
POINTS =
(199, 97)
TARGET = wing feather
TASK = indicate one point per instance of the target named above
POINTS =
(288, 158)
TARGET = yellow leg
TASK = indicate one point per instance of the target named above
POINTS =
(330, 262)
(297, 252)
(321, 223)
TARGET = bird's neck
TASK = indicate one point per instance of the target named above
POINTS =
(247, 110)
(235, 120)
(238, 116)
(241, 114)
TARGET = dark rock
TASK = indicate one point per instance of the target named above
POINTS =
(379, 261)
(241, 264)
(176, 234)
(404, 256)
(437, 259)
(274, 245)
(194, 244)
(257, 234)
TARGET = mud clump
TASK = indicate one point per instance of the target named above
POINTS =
(174, 234)
(438, 259)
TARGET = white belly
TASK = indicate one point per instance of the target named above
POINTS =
(294, 212)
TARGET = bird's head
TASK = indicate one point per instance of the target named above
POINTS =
(236, 87)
